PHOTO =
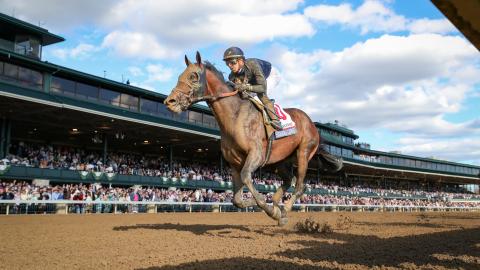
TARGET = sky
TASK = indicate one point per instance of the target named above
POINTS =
(397, 73)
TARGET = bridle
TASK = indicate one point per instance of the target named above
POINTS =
(199, 87)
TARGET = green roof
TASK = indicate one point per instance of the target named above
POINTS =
(376, 152)
(92, 79)
(343, 130)
(103, 108)
(11, 24)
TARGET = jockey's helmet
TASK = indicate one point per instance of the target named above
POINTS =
(233, 52)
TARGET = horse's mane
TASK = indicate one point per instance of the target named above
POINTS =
(215, 71)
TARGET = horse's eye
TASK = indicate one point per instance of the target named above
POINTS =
(193, 77)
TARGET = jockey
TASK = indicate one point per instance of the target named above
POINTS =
(247, 75)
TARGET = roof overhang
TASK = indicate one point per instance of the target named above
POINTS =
(374, 171)
(465, 15)
(18, 26)
(37, 120)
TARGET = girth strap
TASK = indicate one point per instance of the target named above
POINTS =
(269, 149)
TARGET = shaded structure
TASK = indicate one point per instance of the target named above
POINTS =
(464, 15)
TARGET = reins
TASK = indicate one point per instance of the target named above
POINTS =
(200, 87)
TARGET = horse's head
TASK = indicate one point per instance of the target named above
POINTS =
(190, 88)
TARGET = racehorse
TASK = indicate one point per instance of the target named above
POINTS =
(244, 139)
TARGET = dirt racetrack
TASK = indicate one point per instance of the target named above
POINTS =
(174, 241)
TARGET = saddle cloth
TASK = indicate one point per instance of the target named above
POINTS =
(288, 126)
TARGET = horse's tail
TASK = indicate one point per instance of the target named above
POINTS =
(329, 161)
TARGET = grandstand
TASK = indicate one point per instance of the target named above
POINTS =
(44, 104)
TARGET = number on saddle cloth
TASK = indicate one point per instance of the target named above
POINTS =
(265, 65)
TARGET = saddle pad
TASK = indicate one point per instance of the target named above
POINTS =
(285, 119)
(285, 132)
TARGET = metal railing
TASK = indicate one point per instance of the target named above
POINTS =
(8, 207)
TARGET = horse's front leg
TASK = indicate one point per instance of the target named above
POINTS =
(238, 185)
(252, 162)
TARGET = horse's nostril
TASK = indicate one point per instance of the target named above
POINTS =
(170, 101)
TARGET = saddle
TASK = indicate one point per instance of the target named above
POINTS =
(285, 119)
(272, 134)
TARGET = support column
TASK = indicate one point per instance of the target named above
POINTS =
(319, 164)
(170, 158)
(221, 162)
(47, 81)
(2, 137)
(8, 136)
(105, 148)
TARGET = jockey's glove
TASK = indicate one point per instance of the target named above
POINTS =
(243, 87)
(244, 94)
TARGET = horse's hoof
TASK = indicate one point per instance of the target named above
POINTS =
(282, 221)
(276, 213)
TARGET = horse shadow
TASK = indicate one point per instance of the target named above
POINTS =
(419, 223)
(461, 217)
(236, 263)
(198, 229)
(450, 249)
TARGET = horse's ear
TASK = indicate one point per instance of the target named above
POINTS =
(199, 59)
(187, 62)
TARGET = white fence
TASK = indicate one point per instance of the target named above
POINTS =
(8, 207)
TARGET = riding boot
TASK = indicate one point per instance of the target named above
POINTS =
(274, 121)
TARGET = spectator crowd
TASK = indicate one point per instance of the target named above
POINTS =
(96, 192)
(67, 158)
(51, 157)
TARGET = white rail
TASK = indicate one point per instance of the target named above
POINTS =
(62, 206)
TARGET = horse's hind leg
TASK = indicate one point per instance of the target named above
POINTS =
(284, 171)
(302, 158)
(238, 200)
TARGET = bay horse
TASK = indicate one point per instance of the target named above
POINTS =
(244, 139)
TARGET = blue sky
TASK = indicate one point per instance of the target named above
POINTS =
(396, 72)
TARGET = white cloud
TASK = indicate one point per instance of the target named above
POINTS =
(375, 16)
(159, 29)
(158, 73)
(453, 149)
(403, 84)
(440, 26)
(371, 16)
(192, 24)
(249, 29)
(342, 13)
(57, 15)
(133, 44)
(60, 53)
(81, 51)
(393, 61)
(135, 71)
(150, 75)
